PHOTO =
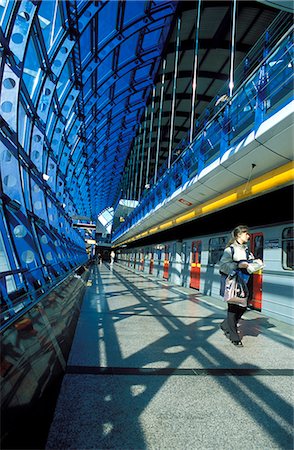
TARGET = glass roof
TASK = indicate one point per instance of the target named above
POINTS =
(116, 53)
(88, 68)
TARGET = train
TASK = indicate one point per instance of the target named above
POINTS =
(194, 263)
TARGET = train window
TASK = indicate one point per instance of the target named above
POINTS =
(258, 246)
(288, 248)
(196, 251)
(216, 247)
(185, 254)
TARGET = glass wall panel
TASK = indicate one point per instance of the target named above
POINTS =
(133, 10)
(86, 45)
(50, 21)
(32, 68)
(127, 49)
(107, 20)
(10, 175)
(6, 7)
(64, 83)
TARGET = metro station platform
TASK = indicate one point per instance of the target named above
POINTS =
(150, 368)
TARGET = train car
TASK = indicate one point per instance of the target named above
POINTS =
(194, 263)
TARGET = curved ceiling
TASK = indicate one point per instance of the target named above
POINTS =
(116, 59)
(214, 47)
(75, 78)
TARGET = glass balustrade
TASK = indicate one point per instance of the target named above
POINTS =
(267, 89)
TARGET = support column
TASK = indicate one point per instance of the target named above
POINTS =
(150, 136)
(142, 155)
(195, 72)
(159, 120)
(171, 134)
(226, 119)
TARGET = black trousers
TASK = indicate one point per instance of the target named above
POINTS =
(229, 325)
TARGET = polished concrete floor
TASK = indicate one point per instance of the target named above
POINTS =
(150, 369)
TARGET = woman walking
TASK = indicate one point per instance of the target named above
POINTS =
(236, 256)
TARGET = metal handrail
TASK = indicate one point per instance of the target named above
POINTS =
(14, 316)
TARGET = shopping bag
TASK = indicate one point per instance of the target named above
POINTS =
(236, 290)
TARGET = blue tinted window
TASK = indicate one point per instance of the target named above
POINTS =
(50, 21)
(133, 10)
(31, 71)
(107, 20)
(85, 44)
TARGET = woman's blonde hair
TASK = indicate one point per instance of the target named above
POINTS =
(235, 233)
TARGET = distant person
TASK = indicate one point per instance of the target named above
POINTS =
(112, 256)
(236, 256)
(99, 258)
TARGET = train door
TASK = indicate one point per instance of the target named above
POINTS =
(142, 260)
(256, 247)
(165, 263)
(195, 265)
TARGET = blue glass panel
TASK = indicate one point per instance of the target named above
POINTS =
(127, 48)
(64, 83)
(59, 189)
(8, 259)
(51, 122)
(103, 100)
(21, 28)
(136, 97)
(85, 44)
(6, 7)
(105, 67)
(87, 90)
(133, 10)
(58, 132)
(116, 110)
(131, 117)
(74, 132)
(142, 72)
(107, 20)
(38, 201)
(57, 146)
(50, 21)
(11, 182)
(160, 23)
(31, 71)
(123, 82)
(9, 96)
(8, 283)
(46, 100)
(26, 249)
(89, 105)
(51, 172)
(60, 59)
(52, 213)
(42, 242)
(151, 39)
(150, 55)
